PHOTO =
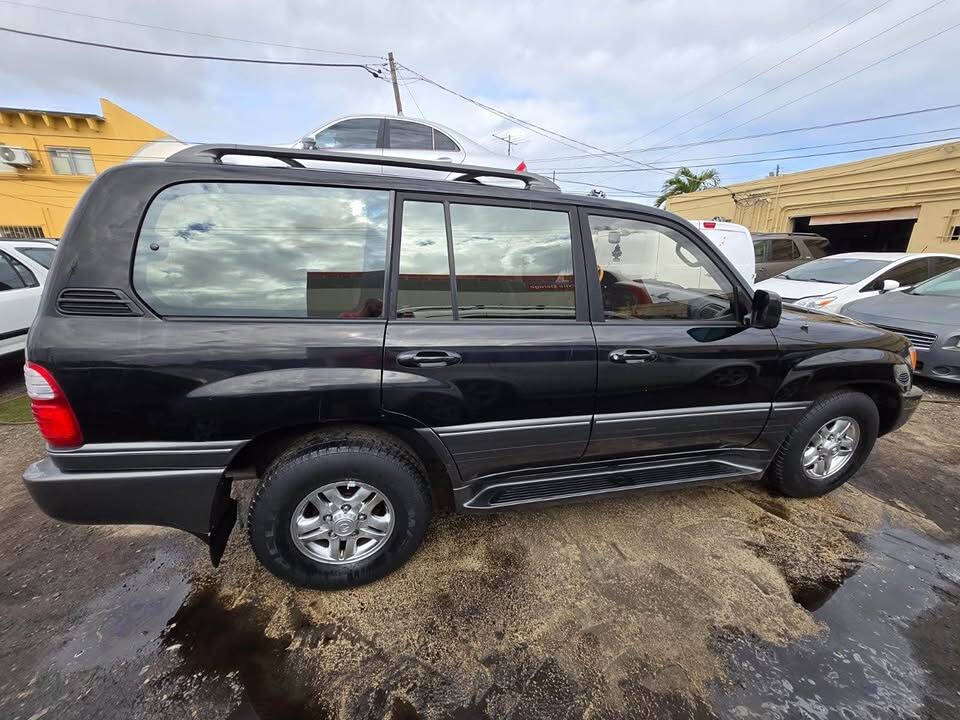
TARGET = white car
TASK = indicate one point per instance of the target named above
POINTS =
(735, 242)
(831, 282)
(23, 268)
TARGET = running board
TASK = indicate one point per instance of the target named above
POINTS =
(586, 483)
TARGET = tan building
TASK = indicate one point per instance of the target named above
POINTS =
(49, 157)
(908, 201)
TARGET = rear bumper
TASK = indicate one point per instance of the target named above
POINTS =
(186, 499)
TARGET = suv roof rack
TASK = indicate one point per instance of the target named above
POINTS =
(214, 153)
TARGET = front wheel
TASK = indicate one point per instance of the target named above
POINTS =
(827, 446)
(340, 510)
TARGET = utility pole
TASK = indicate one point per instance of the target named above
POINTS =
(510, 143)
(393, 78)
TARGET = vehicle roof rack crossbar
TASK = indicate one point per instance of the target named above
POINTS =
(214, 153)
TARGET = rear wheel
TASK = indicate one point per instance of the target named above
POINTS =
(340, 510)
(827, 446)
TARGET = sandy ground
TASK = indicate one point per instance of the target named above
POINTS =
(707, 602)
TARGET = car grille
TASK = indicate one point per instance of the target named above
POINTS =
(920, 340)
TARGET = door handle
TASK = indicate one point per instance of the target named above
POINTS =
(631, 356)
(428, 358)
(445, 159)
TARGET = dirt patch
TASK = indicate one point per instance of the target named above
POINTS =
(591, 606)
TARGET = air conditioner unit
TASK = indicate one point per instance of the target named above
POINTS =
(16, 156)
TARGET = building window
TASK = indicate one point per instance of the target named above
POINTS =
(21, 232)
(71, 161)
(955, 234)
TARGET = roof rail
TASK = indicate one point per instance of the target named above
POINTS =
(214, 153)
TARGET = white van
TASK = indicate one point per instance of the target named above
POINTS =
(734, 241)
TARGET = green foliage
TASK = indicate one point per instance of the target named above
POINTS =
(688, 181)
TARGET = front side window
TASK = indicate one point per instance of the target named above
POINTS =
(9, 278)
(942, 264)
(71, 161)
(358, 133)
(257, 250)
(410, 136)
(945, 285)
(510, 263)
(909, 273)
(652, 272)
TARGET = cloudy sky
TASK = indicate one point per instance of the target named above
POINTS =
(613, 75)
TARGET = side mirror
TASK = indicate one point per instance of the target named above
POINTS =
(767, 308)
(889, 285)
(308, 143)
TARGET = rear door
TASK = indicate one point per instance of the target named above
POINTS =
(359, 135)
(489, 341)
(679, 369)
(783, 255)
(19, 297)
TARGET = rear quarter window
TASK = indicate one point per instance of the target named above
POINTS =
(263, 250)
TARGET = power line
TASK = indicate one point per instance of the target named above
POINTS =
(533, 127)
(602, 168)
(763, 72)
(188, 32)
(788, 131)
(219, 58)
(895, 26)
(766, 160)
(38, 202)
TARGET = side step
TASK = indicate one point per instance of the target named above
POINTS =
(594, 482)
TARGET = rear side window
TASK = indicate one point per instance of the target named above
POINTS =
(410, 136)
(9, 278)
(42, 256)
(258, 250)
(442, 142)
(508, 262)
(783, 249)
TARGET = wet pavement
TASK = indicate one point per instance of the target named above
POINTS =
(709, 603)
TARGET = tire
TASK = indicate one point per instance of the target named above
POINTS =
(788, 474)
(353, 459)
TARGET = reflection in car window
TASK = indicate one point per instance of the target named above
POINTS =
(423, 289)
(947, 285)
(410, 136)
(243, 249)
(43, 256)
(837, 270)
(359, 133)
(651, 272)
(512, 262)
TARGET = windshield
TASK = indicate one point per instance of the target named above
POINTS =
(947, 285)
(839, 271)
(44, 256)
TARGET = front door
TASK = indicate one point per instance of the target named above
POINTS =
(489, 341)
(679, 370)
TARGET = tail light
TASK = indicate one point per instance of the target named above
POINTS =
(709, 225)
(522, 167)
(51, 410)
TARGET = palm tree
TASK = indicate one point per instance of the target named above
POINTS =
(688, 181)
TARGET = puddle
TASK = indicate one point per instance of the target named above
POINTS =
(866, 664)
(231, 643)
(125, 618)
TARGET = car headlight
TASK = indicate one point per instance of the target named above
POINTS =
(816, 302)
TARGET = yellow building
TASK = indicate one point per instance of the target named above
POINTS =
(907, 201)
(48, 158)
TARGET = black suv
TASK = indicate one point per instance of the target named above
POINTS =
(372, 347)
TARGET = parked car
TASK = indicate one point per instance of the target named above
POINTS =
(776, 253)
(831, 282)
(928, 315)
(734, 242)
(23, 267)
(372, 347)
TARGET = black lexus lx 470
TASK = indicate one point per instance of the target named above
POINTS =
(372, 347)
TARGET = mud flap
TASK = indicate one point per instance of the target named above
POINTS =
(223, 516)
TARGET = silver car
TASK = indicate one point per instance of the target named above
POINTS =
(388, 135)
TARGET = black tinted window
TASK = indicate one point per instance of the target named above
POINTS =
(512, 262)
(9, 278)
(909, 273)
(237, 249)
(783, 249)
(942, 264)
(359, 133)
(25, 273)
(410, 136)
(43, 256)
(442, 142)
(652, 272)
(423, 290)
(759, 250)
